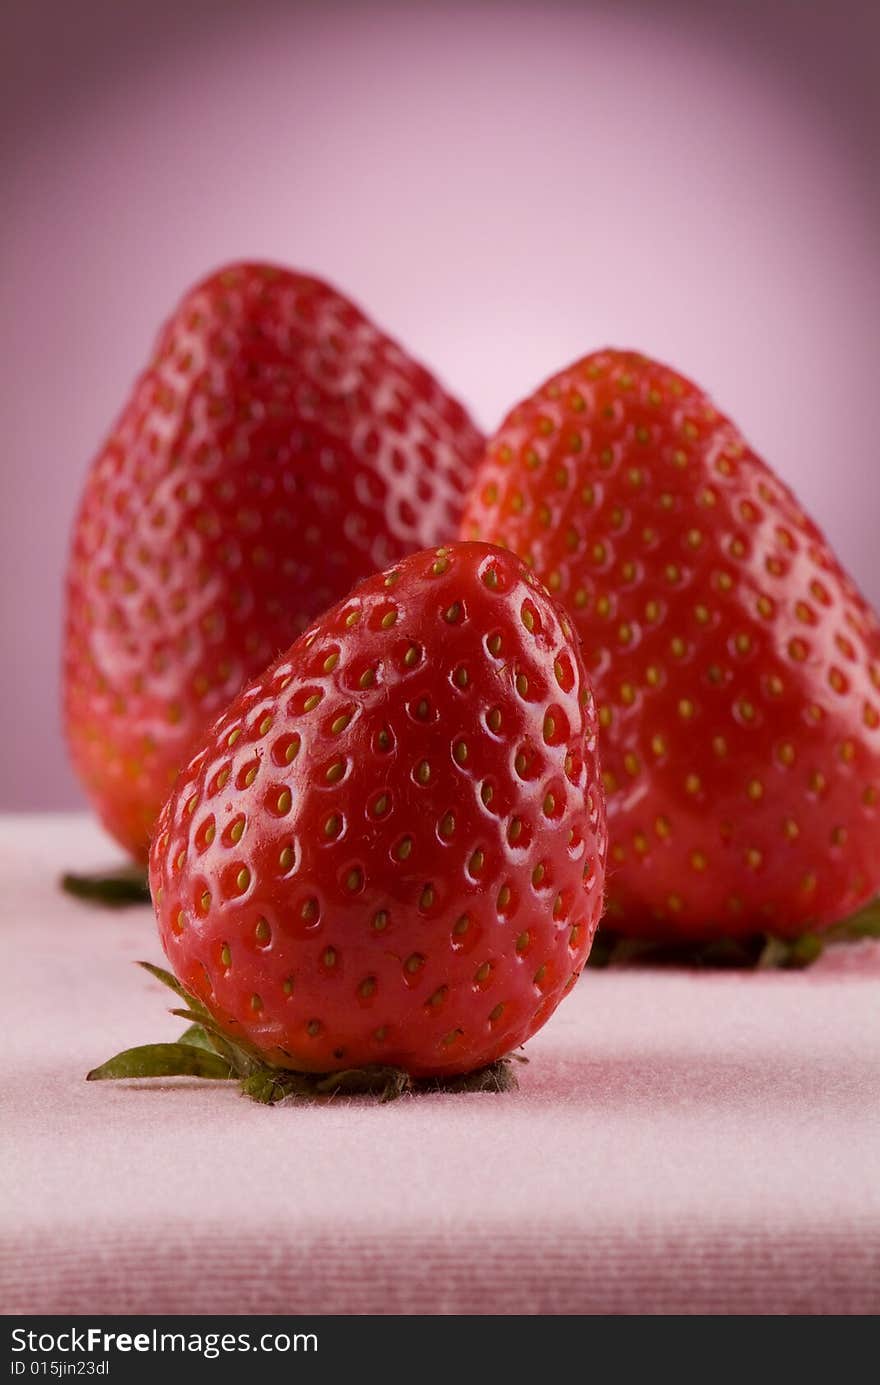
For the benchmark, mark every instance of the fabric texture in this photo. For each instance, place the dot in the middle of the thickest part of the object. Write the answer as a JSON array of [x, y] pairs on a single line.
[[680, 1143]]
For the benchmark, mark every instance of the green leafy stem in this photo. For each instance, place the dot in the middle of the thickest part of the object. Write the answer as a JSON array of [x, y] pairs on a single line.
[[762, 951], [115, 889], [205, 1051]]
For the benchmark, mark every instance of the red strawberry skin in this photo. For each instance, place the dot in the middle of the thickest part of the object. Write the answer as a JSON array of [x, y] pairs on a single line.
[[277, 449], [734, 662], [391, 847]]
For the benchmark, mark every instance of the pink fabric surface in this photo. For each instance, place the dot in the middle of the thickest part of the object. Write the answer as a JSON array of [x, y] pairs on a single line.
[[680, 1143]]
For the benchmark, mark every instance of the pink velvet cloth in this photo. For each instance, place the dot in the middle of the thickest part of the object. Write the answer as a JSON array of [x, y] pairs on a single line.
[[680, 1143]]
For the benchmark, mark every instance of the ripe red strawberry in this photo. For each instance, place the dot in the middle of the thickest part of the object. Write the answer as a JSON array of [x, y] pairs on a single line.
[[390, 848], [734, 663], [277, 449]]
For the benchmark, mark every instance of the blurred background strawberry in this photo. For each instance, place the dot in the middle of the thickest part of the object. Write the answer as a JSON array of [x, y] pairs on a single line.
[[278, 449], [502, 186]]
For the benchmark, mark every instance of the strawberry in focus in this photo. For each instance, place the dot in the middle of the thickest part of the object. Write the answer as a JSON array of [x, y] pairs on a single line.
[[390, 848], [278, 449], [736, 666]]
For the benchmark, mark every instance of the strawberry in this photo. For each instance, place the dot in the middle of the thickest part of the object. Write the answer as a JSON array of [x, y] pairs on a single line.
[[277, 449], [734, 662], [390, 848]]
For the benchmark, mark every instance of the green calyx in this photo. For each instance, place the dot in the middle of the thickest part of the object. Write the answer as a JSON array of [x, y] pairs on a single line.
[[761, 952], [116, 889], [204, 1051]]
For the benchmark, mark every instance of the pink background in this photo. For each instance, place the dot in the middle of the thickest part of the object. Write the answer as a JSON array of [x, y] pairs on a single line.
[[503, 186]]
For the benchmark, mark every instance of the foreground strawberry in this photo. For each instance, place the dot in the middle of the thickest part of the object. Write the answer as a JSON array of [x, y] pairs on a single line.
[[735, 664], [278, 449], [390, 850]]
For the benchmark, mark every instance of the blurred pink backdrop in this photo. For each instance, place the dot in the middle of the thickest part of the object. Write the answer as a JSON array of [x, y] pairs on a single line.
[[503, 186]]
